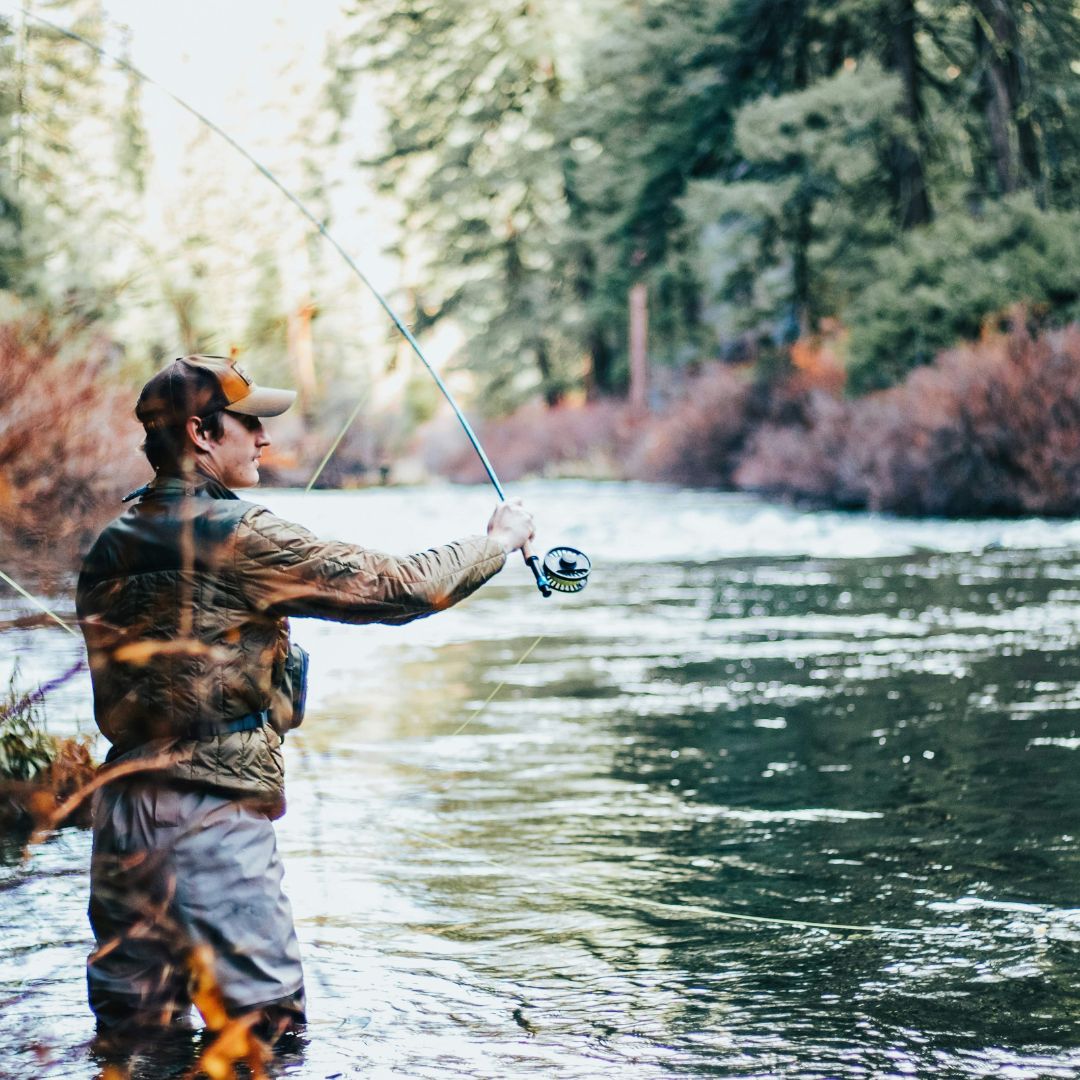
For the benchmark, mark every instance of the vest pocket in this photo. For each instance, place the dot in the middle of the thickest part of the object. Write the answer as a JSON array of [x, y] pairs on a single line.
[[289, 696]]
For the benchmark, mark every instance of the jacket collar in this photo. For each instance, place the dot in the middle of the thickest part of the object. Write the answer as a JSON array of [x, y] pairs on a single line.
[[164, 485]]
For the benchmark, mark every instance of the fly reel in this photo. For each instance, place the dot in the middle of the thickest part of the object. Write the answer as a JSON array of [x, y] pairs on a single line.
[[567, 569]]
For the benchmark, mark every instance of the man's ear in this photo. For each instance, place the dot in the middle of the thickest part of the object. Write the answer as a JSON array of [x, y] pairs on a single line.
[[196, 435]]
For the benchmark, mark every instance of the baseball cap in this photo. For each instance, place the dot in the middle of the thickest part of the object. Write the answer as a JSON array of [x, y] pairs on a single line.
[[199, 385]]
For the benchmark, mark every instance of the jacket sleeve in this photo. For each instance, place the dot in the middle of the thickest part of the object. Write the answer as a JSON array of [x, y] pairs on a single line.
[[283, 569]]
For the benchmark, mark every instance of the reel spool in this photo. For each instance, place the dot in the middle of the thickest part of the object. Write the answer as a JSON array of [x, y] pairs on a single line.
[[567, 569]]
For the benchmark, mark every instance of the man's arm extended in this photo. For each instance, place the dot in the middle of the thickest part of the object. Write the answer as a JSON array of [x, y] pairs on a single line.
[[284, 569]]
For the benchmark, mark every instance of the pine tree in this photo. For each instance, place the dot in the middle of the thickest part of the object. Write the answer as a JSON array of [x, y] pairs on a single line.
[[12, 251], [473, 92], [810, 195], [70, 169]]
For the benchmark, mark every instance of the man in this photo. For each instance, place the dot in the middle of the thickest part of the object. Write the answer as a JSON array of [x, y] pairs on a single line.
[[184, 601]]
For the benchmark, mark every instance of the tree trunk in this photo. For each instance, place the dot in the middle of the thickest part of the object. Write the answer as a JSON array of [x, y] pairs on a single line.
[[996, 103], [600, 376], [802, 226], [552, 393], [911, 198], [801, 273], [639, 347], [301, 351], [1013, 139]]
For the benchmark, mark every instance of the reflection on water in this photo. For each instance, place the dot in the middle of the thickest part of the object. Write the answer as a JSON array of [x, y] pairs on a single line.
[[750, 710]]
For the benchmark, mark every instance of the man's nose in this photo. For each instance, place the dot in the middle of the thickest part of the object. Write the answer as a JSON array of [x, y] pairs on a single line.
[[262, 438]]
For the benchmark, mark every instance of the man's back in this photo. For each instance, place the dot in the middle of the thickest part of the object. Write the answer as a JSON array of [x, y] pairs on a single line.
[[183, 601], [167, 631]]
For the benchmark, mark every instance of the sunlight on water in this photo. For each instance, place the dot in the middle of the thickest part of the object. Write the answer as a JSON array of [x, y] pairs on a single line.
[[750, 710]]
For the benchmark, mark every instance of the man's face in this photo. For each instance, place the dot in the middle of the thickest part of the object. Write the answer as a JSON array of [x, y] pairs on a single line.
[[234, 458]]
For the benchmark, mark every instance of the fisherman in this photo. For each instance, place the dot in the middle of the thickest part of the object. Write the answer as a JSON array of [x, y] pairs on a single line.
[[184, 602]]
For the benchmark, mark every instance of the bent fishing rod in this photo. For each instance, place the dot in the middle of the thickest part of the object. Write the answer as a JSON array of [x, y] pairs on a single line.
[[564, 569]]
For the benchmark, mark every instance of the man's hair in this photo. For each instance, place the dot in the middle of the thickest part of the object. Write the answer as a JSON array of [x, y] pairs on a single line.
[[167, 446]]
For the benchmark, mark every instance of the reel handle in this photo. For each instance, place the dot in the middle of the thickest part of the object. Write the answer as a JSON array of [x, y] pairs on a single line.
[[533, 563]]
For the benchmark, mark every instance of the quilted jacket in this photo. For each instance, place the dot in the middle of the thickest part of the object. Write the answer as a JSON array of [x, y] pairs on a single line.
[[184, 603]]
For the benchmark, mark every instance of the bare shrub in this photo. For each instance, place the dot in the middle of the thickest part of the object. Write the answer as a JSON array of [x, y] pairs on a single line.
[[992, 428], [698, 441], [731, 430], [567, 440], [804, 460], [68, 440], [989, 428]]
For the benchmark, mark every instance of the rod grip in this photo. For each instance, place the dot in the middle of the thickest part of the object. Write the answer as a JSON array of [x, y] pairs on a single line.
[[533, 563]]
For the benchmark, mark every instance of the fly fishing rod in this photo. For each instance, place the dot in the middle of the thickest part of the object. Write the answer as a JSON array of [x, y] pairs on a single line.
[[564, 569]]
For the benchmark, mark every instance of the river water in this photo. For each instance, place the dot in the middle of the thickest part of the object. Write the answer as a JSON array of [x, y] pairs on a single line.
[[750, 712]]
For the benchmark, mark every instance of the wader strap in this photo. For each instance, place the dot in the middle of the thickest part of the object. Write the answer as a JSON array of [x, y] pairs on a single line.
[[207, 729]]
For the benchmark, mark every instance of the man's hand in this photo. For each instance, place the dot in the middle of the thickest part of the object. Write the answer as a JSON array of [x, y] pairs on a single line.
[[511, 525]]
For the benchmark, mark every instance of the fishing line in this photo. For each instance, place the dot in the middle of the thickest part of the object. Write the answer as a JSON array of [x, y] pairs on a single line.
[[544, 583], [38, 604], [568, 568], [334, 445], [488, 699], [629, 902]]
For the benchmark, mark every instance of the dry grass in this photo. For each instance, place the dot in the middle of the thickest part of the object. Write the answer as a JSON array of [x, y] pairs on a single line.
[[38, 771]]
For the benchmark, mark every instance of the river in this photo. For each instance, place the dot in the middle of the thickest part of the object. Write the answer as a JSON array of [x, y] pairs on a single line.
[[751, 713]]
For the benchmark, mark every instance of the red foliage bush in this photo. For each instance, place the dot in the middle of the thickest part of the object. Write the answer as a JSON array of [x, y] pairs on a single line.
[[725, 416], [805, 459], [992, 428], [68, 441], [583, 440], [699, 439], [989, 429]]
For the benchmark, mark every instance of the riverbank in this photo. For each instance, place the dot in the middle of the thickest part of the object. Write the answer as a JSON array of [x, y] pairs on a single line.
[[68, 441], [987, 430]]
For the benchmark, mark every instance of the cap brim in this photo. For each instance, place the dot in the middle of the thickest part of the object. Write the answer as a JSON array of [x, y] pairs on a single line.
[[263, 401]]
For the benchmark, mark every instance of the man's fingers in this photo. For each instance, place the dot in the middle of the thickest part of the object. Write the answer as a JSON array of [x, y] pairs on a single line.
[[513, 523]]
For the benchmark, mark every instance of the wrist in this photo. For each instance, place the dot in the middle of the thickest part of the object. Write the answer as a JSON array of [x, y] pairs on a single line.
[[505, 541]]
